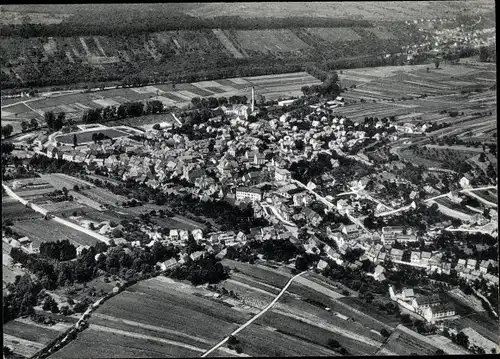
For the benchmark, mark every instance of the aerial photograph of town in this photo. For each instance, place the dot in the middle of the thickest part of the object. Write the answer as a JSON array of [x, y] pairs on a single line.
[[236, 179]]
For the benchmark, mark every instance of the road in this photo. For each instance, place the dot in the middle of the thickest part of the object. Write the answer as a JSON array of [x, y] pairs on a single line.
[[332, 206], [62, 221], [263, 311], [277, 214]]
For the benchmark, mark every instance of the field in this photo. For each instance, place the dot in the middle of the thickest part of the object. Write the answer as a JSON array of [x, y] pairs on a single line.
[[26, 338], [280, 41], [167, 319], [270, 86], [334, 35], [405, 342], [40, 230]]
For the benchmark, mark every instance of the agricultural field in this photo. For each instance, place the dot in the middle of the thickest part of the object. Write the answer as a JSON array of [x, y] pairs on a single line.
[[15, 211], [26, 338], [41, 230], [333, 35], [403, 341], [271, 87], [167, 319], [269, 41], [394, 10]]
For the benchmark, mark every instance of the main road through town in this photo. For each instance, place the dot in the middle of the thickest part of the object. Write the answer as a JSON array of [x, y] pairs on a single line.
[[254, 318]]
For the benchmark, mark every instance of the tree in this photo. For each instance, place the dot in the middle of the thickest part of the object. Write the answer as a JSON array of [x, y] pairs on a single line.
[[34, 124], [76, 188], [482, 157], [156, 126], [332, 343], [232, 340], [75, 140], [436, 64], [462, 340], [59, 121], [7, 130], [24, 126], [49, 119]]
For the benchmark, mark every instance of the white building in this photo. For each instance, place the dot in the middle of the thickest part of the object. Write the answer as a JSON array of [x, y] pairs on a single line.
[[253, 194]]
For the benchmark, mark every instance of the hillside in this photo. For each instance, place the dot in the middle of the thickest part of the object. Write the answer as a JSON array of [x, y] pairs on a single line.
[[81, 45]]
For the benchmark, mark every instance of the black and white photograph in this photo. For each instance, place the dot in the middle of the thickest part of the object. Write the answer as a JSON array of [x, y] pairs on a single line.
[[249, 179]]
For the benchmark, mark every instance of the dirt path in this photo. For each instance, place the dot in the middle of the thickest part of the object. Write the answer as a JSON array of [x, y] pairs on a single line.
[[143, 336], [150, 327]]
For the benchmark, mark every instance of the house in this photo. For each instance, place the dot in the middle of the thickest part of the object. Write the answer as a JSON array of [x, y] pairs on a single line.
[[34, 247], [322, 265], [24, 241], [461, 264], [282, 175], [52, 152], [484, 266], [174, 234], [197, 235], [378, 275], [312, 216], [425, 258], [407, 295], [351, 231], [415, 257], [434, 313], [396, 254], [183, 235], [195, 256], [381, 257], [421, 302], [471, 264], [254, 194], [168, 264]]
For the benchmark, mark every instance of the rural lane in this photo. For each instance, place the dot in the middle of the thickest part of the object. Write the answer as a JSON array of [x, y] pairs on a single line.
[[255, 317], [62, 221]]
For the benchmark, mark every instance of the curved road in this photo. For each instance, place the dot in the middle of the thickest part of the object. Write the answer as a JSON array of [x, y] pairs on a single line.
[[62, 221], [255, 317], [277, 214]]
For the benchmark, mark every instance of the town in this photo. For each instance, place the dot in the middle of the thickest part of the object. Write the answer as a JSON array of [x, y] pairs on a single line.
[[356, 215]]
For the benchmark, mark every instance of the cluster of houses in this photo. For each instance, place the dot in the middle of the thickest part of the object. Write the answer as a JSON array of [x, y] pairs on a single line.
[[432, 308]]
